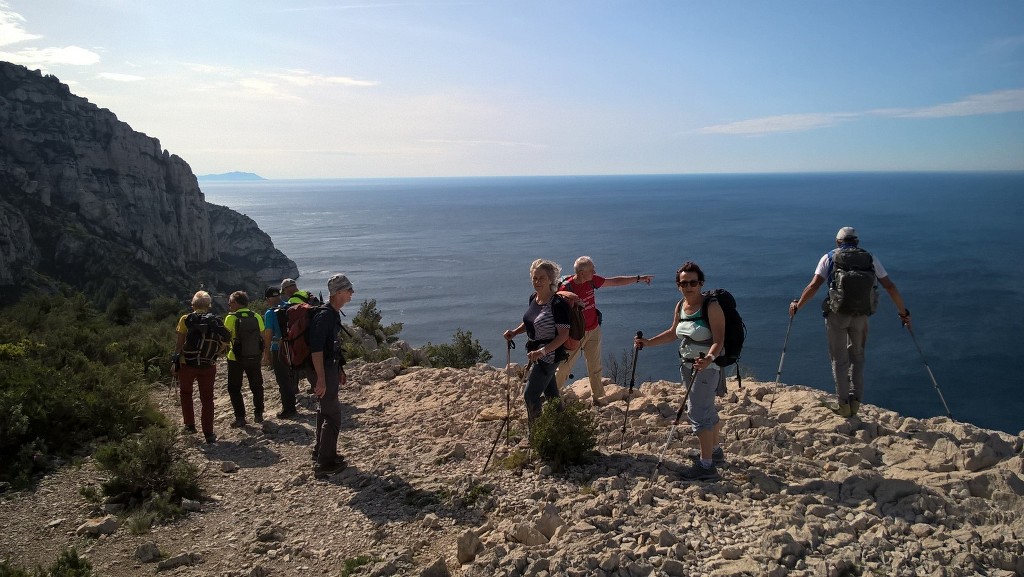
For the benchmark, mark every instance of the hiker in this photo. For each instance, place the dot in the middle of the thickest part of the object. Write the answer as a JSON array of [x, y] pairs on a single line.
[[699, 335], [546, 324], [287, 384], [291, 293], [584, 283], [246, 328], [847, 330], [328, 374], [199, 365]]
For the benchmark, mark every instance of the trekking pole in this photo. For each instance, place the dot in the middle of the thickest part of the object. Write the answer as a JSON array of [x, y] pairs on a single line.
[[679, 414], [508, 404], [778, 374], [929, 369], [629, 395]]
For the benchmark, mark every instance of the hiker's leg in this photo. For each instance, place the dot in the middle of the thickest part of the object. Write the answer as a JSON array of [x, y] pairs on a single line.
[[329, 419], [311, 375], [206, 376], [551, 390], [536, 383], [591, 346], [836, 328], [235, 389], [565, 367], [186, 375], [858, 338], [702, 412], [283, 376], [254, 374]]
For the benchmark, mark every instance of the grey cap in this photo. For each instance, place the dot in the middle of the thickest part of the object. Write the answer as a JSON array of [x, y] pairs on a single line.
[[846, 233], [287, 283], [338, 283]]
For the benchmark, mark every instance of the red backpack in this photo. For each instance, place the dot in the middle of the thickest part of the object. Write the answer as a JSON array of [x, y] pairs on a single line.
[[295, 333]]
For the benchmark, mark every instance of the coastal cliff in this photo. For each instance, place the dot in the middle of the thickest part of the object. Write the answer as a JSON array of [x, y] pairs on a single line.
[[87, 201]]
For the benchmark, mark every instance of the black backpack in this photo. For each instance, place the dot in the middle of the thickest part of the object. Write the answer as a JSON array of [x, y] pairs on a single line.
[[248, 343], [735, 330], [852, 290], [206, 338]]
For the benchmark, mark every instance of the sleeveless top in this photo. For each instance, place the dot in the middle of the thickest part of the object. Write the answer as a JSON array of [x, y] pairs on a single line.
[[695, 334]]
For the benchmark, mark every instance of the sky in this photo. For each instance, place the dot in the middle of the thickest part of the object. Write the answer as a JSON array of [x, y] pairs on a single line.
[[340, 89]]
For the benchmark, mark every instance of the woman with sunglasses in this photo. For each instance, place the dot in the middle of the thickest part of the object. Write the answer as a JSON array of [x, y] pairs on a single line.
[[702, 340]]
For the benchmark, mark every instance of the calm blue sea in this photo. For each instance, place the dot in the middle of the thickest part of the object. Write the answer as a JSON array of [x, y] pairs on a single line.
[[439, 254]]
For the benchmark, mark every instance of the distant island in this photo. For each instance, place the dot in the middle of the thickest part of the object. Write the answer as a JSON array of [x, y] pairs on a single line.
[[230, 176]]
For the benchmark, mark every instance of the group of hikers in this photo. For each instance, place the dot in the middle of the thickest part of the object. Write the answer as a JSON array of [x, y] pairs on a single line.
[[698, 321], [250, 341]]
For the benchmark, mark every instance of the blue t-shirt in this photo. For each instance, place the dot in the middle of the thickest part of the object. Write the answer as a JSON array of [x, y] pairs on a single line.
[[270, 322]]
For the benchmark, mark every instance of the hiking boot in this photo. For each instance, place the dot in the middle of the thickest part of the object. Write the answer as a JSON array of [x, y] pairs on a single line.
[[854, 406], [717, 456], [188, 429], [699, 472], [336, 466], [844, 410], [258, 417], [238, 423], [287, 414], [211, 438]]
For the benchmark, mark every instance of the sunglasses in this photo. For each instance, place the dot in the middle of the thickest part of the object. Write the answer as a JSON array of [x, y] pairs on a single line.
[[686, 283]]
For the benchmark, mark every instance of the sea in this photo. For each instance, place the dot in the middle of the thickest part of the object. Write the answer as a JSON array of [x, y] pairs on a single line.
[[446, 254]]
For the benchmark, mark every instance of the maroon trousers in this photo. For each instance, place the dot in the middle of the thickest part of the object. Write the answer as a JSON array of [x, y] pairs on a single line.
[[205, 376]]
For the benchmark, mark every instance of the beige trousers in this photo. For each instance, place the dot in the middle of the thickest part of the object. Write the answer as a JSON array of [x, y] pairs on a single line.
[[590, 346]]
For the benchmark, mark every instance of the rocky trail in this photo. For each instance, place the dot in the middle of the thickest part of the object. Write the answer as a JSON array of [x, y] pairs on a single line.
[[803, 492]]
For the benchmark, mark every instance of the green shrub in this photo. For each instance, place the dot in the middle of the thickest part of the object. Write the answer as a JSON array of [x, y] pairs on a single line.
[[369, 319], [353, 564], [149, 472], [67, 564], [463, 352], [564, 436], [69, 376], [119, 311]]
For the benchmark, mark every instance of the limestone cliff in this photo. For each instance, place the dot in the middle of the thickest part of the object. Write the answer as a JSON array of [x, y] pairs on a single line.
[[85, 200]]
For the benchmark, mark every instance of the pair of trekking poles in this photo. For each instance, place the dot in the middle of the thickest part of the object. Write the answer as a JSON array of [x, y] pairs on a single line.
[[508, 399], [935, 384]]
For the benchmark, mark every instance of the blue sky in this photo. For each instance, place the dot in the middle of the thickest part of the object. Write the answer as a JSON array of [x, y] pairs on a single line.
[[323, 88]]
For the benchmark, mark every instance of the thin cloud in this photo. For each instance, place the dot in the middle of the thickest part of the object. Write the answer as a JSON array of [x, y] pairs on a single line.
[[780, 123], [72, 55], [11, 31], [304, 78], [116, 77], [504, 143], [998, 102]]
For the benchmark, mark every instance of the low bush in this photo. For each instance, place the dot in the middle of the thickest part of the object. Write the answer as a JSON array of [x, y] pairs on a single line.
[[149, 472], [68, 376], [564, 435], [67, 564], [463, 352]]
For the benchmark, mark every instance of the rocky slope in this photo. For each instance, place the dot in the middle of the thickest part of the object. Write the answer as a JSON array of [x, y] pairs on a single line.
[[87, 201], [803, 493]]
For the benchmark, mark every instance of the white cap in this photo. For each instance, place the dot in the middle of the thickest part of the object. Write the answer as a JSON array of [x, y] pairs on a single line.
[[846, 233]]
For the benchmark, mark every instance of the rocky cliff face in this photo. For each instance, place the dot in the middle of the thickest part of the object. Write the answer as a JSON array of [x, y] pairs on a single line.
[[87, 201]]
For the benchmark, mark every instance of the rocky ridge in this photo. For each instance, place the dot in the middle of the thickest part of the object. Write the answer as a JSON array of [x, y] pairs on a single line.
[[88, 201], [804, 492]]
